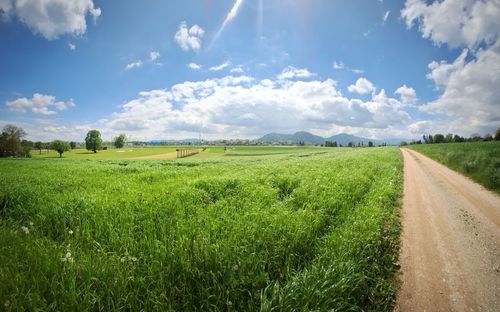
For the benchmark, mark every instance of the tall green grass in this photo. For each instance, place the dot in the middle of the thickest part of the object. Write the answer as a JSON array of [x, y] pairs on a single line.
[[477, 160], [303, 231]]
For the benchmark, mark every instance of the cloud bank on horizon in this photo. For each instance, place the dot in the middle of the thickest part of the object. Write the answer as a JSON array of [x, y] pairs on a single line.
[[231, 80]]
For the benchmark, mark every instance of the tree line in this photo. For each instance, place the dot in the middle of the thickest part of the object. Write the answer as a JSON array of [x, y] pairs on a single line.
[[14, 144], [453, 138]]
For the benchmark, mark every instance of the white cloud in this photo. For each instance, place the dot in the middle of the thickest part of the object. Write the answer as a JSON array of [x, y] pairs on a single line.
[[408, 95], [470, 90], [362, 86], [189, 38], [291, 72], [237, 69], [455, 22], [341, 65], [245, 107], [71, 46], [50, 18], [194, 66], [230, 16], [385, 17], [338, 65], [220, 66], [39, 104], [470, 93], [154, 55], [136, 64]]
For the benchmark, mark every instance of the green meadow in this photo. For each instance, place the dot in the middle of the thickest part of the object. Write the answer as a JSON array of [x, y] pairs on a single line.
[[284, 229], [477, 160]]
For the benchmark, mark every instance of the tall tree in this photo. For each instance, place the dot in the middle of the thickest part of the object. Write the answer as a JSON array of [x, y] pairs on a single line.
[[10, 141], [60, 146], [497, 135], [120, 140], [93, 141], [38, 145]]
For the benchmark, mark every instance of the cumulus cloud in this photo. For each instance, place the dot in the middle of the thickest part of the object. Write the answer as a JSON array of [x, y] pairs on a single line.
[[136, 64], [469, 84], [220, 66], [39, 104], [189, 38], [408, 95], [154, 55], [194, 66], [50, 18], [362, 86], [291, 72], [71, 46], [246, 107], [470, 90], [455, 22]]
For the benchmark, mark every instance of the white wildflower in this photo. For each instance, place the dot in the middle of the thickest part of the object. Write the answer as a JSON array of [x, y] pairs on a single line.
[[68, 258], [70, 232], [31, 223], [25, 230]]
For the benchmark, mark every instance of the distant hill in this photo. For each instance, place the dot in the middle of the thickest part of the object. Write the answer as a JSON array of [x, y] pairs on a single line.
[[309, 138]]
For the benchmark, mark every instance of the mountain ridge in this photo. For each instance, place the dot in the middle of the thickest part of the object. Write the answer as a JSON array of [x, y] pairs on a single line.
[[309, 138]]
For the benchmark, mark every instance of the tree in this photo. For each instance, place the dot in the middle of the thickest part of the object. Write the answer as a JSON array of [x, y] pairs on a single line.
[[10, 142], [72, 145], [457, 138], [120, 140], [93, 141], [438, 138], [487, 137], [497, 135], [38, 145], [60, 146], [449, 138], [370, 144]]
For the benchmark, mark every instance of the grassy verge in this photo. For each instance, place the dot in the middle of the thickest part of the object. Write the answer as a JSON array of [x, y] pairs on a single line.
[[303, 231], [477, 160]]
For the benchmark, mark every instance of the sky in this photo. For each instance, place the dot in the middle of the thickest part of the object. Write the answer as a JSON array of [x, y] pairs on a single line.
[[224, 69]]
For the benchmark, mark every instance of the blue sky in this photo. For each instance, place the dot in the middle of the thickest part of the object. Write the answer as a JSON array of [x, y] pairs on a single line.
[[243, 68]]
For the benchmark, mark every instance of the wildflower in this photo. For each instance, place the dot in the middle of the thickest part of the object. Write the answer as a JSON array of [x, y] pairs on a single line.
[[70, 232], [68, 258], [31, 223], [133, 259], [25, 230], [123, 259]]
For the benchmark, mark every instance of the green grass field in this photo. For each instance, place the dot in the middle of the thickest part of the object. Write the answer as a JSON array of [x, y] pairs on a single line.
[[477, 160], [138, 152], [304, 229], [124, 153]]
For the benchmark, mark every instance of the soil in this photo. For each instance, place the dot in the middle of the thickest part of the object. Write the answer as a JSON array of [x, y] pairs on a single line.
[[450, 245]]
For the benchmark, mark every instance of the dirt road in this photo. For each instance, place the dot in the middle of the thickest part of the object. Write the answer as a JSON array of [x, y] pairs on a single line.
[[450, 253]]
